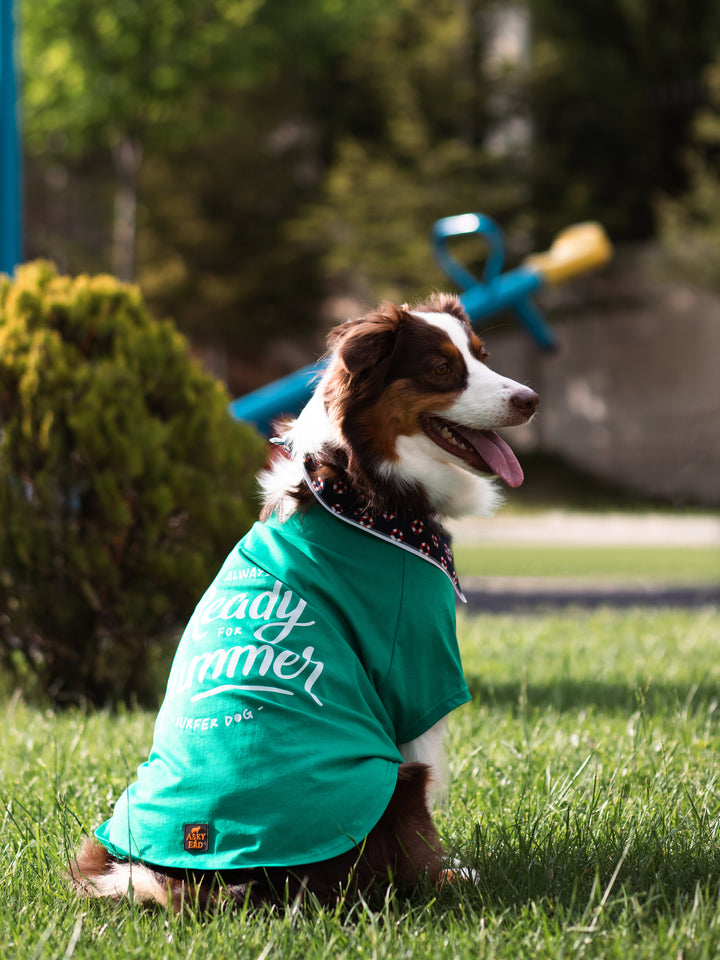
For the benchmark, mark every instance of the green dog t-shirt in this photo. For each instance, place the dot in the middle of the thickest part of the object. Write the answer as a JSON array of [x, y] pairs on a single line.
[[315, 652]]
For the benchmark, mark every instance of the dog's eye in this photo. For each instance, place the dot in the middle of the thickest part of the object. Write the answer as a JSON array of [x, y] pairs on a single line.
[[442, 370]]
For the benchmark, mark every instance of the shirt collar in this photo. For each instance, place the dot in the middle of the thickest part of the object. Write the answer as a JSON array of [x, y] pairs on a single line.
[[404, 529]]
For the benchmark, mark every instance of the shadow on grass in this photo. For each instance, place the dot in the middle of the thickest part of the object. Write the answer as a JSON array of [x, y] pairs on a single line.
[[579, 877], [563, 695]]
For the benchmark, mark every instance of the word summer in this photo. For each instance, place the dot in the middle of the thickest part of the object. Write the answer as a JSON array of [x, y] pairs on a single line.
[[268, 666], [203, 671]]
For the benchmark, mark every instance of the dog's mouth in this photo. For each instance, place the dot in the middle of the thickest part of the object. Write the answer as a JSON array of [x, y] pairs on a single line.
[[481, 450]]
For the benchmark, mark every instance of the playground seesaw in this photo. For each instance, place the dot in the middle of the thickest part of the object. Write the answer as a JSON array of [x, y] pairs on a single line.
[[577, 249]]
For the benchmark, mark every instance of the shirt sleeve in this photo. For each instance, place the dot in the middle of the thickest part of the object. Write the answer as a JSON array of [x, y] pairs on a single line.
[[425, 680]]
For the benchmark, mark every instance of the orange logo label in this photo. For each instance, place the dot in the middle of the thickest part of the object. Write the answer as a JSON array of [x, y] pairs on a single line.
[[196, 837]]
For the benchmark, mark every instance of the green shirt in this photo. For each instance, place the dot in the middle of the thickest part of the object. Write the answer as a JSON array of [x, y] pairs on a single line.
[[315, 652]]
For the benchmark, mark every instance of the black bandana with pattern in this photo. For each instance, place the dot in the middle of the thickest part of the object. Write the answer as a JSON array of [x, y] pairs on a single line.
[[406, 530]]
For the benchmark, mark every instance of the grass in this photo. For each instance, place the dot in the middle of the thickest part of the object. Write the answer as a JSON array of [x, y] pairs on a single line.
[[667, 564], [585, 794]]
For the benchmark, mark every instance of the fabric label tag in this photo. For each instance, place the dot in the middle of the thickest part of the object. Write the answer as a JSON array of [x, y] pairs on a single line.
[[196, 837]]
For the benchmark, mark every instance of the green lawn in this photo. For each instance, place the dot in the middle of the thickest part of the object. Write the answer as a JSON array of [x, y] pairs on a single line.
[[667, 564], [585, 793]]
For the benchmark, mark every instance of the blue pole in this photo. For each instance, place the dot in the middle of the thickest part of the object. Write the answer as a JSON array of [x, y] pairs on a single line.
[[10, 166]]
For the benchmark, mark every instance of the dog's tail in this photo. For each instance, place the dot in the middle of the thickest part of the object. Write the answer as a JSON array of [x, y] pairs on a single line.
[[95, 873]]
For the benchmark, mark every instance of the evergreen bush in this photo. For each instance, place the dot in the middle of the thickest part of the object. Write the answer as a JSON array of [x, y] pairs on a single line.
[[123, 482]]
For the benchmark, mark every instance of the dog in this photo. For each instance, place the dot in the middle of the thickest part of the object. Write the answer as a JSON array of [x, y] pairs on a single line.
[[299, 745]]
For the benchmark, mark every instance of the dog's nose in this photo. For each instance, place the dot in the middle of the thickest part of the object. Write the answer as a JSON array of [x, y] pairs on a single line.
[[526, 401]]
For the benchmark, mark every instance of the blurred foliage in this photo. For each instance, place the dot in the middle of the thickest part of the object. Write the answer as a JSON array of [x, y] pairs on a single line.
[[417, 84], [123, 483], [132, 77], [614, 87], [98, 73], [690, 223], [376, 209], [296, 152], [259, 187]]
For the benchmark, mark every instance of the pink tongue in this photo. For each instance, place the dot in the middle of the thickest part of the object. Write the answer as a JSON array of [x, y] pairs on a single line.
[[496, 454]]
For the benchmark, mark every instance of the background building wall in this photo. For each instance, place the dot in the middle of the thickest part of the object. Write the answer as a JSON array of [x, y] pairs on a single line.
[[633, 394]]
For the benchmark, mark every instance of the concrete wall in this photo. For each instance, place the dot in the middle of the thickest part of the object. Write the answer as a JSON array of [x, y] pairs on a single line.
[[633, 395]]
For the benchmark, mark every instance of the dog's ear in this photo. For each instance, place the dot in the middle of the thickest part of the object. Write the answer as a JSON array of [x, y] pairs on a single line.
[[367, 343]]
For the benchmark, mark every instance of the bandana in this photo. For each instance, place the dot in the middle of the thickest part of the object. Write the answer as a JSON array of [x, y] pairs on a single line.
[[404, 529]]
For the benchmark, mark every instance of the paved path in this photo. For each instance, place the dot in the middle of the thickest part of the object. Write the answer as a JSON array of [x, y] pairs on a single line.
[[507, 594], [517, 594], [566, 527]]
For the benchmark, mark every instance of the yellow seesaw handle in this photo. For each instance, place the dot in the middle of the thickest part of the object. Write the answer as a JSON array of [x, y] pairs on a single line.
[[574, 250]]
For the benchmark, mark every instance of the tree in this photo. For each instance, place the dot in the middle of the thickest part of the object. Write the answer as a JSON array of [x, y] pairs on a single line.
[[690, 223], [415, 98], [235, 123], [128, 76], [614, 88]]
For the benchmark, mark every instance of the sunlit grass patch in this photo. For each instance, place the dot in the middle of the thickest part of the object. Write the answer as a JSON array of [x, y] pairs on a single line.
[[619, 563], [585, 796]]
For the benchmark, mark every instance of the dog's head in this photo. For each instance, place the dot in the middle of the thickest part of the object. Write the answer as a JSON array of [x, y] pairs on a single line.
[[409, 404]]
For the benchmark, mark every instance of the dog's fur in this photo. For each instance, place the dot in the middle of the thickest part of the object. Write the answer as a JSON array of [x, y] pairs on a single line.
[[394, 416]]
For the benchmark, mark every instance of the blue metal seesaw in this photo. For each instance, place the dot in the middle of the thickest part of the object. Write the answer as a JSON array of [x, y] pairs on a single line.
[[575, 250]]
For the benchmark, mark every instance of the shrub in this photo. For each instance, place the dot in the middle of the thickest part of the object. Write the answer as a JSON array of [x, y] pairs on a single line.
[[123, 482]]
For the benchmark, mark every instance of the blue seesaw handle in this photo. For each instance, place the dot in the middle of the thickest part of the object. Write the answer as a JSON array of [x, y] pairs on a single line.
[[493, 291], [467, 223]]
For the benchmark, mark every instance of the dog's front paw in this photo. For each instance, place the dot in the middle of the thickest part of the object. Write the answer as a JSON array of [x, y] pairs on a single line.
[[456, 872]]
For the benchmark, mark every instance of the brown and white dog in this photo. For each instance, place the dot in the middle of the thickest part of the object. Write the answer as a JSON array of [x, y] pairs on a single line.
[[406, 414]]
